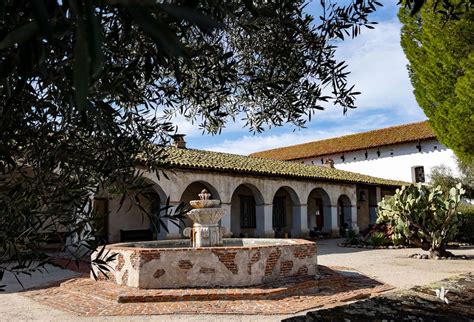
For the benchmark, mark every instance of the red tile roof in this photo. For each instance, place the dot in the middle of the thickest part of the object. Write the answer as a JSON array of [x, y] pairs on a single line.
[[388, 136], [232, 163]]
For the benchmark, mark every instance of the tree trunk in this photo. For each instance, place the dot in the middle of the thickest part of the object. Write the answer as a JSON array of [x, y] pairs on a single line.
[[425, 245], [440, 251]]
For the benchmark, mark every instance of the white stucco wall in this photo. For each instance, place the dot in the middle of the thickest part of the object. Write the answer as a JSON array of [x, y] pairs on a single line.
[[395, 162]]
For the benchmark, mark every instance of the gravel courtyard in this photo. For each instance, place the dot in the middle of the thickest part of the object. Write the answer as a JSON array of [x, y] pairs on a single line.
[[391, 266]]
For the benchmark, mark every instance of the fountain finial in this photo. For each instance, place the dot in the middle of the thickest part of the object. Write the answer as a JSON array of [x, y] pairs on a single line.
[[204, 195]]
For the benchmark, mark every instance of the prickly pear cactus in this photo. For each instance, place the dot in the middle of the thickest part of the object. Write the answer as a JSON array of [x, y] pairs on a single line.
[[424, 215]]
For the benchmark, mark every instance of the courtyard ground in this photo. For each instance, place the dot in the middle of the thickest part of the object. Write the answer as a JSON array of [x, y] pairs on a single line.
[[391, 266]]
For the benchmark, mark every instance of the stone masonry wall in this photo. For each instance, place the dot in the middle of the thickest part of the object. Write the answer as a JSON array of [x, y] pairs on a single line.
[[213, 266]]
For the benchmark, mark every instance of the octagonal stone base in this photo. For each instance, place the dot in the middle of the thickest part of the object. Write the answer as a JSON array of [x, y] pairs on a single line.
[[240, 262]]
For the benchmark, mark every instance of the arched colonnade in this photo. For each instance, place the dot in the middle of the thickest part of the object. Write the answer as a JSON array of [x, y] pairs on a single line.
[[260, 207]]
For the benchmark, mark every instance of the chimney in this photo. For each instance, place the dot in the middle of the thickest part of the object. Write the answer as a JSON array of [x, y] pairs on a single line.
[[329, 163], [178, 141]]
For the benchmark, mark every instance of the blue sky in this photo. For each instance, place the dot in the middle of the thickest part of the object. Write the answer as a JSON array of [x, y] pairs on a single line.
[[378, 69]]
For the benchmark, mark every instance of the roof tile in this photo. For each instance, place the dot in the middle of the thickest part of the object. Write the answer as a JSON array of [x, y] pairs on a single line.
[[216, 161], [360, 141]]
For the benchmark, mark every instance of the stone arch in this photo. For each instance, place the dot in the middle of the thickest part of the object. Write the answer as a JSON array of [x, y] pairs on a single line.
[[155, 199], [130, 219], [194, 188], [319, 210], [291, 193], [155, 188], [246, 206], [192, 191], [344, 210], [286, 211]]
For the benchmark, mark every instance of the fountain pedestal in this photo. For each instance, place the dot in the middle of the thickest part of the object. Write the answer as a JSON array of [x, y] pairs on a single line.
[[206, 231]]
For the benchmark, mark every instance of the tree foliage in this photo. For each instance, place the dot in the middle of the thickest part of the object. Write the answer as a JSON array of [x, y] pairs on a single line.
[[83, 84], [428, 216], [441, 69], [444, 177], [447, 9]]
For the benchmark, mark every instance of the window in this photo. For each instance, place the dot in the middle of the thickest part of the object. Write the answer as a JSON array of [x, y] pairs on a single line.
[[418, 174], [279, 212], [418, 146], [247, 212]]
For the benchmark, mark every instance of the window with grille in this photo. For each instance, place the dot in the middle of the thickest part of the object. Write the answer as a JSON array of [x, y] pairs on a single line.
[[247, 212], [418, 174], [279, 212]]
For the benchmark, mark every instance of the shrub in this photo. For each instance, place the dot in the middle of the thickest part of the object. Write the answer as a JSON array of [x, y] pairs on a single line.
[[384, 228], [379, 239], [466, 224], [352, 238]]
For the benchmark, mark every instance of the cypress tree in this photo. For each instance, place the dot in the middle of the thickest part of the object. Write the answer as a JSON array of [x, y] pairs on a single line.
[[441, 60]]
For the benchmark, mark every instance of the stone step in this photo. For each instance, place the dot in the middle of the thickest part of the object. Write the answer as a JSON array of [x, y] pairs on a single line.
[[110, 291]]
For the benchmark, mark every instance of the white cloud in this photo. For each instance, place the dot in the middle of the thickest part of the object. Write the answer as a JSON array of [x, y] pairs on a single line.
[[378, 69], [251, 143], [193, 130], [247, 144]]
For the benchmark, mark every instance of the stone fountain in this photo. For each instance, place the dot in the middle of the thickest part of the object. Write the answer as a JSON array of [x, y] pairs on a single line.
[[205, 215], [207, 260]]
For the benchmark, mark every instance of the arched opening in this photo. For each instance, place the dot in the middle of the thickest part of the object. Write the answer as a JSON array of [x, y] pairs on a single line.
[[319, 211], [246, 206], [344, 209], [191, 193], [285, 209], [194, 189], [135, 217]]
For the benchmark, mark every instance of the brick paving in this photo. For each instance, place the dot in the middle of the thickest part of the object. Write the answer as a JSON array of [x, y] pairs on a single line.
[[85, 297]]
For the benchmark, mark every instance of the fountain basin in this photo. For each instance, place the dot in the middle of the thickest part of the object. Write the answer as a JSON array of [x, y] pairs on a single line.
[[205, 203], [238, 263], [206, 216]]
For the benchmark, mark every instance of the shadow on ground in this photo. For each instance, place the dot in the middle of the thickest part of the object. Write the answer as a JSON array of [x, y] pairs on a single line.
[[415, 304], [38, 279]]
